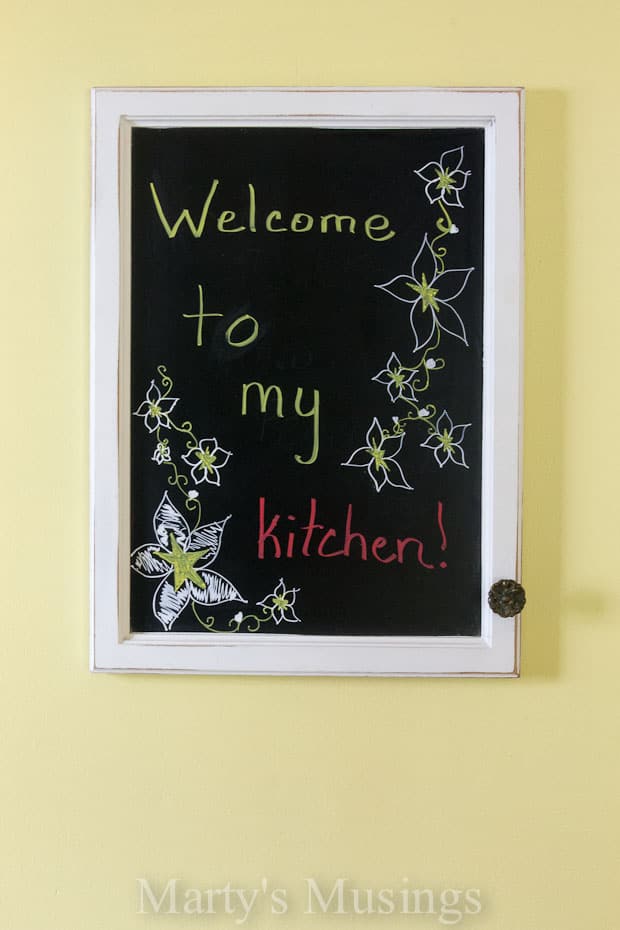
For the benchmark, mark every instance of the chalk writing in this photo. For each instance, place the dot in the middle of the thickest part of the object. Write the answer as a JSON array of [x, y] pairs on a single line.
[[376, 226], [263, 394]]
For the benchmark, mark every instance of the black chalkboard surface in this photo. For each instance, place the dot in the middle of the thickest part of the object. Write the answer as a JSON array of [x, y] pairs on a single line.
[[306, 380]]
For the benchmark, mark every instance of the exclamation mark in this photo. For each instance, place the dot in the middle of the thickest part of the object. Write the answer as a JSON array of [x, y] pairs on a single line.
[[444, 538]]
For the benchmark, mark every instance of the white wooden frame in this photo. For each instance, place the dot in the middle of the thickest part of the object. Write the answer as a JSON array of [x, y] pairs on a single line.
[[113, 648]]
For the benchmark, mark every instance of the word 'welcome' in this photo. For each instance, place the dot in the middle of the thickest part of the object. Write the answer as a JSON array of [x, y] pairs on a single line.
[[376, 226]]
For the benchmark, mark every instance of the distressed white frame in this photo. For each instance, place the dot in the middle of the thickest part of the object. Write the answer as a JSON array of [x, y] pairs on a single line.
[[113, 647]]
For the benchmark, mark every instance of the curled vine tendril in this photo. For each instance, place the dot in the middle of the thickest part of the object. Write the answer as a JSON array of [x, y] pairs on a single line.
[[255, 627], [166, 380], [422, 385], [444, 225], [439, 253], [413, 416], [233, 624], [177, 480], [186, 427], [193, 504]]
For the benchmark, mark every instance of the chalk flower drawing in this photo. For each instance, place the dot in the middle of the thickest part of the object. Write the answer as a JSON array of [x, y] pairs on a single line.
[[446, 440], [429, 292], [280, 605], [444, 179], [155, 409], [180, 557], [206, 459], [162, 452], [378, 457], [397, 378]]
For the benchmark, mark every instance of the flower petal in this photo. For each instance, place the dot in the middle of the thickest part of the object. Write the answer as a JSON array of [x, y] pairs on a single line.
[[383, 377], [451, 160], [407, 392], [433, 442], [211, 477], [152, 422], [425, 264], [442, 455], [423, 326], [190, 457], [168, 520], [153, 395], [445, 423], [222, 457], [378, 476], [146, 563], [395, 476], [400, 287], [268, 607], [458, 432], [429, 171], [168, 603], [359, 458], [166, 404], [199, 473], [161, 420], [374, 436], [457, 183], [208, 536], [392, 445], [451, 283], [291, 594], [451, 198], [217, 590], [433, 191], [143, 410], [457, 455], [449, 320], [288, 614], [394, 390]]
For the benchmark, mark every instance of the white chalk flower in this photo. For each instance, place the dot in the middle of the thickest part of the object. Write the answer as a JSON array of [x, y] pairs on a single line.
[[280, 605], [155, 409], [378, 457], [446, 441], [445, 179], [206, 459], [180, 557], [429, 292], [397, 379]]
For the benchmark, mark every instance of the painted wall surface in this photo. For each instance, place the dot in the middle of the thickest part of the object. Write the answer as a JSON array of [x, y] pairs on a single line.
[[509, 787]]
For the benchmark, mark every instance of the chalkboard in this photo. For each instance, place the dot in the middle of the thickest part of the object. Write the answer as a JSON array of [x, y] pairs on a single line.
[[306, 380], [306, 318]]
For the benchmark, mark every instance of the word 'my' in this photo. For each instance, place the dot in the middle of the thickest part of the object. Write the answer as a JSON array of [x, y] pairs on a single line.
[[263, 398], [376, 226]]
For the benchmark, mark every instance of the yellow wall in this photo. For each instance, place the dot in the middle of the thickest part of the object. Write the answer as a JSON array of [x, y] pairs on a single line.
[[506, 786]]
